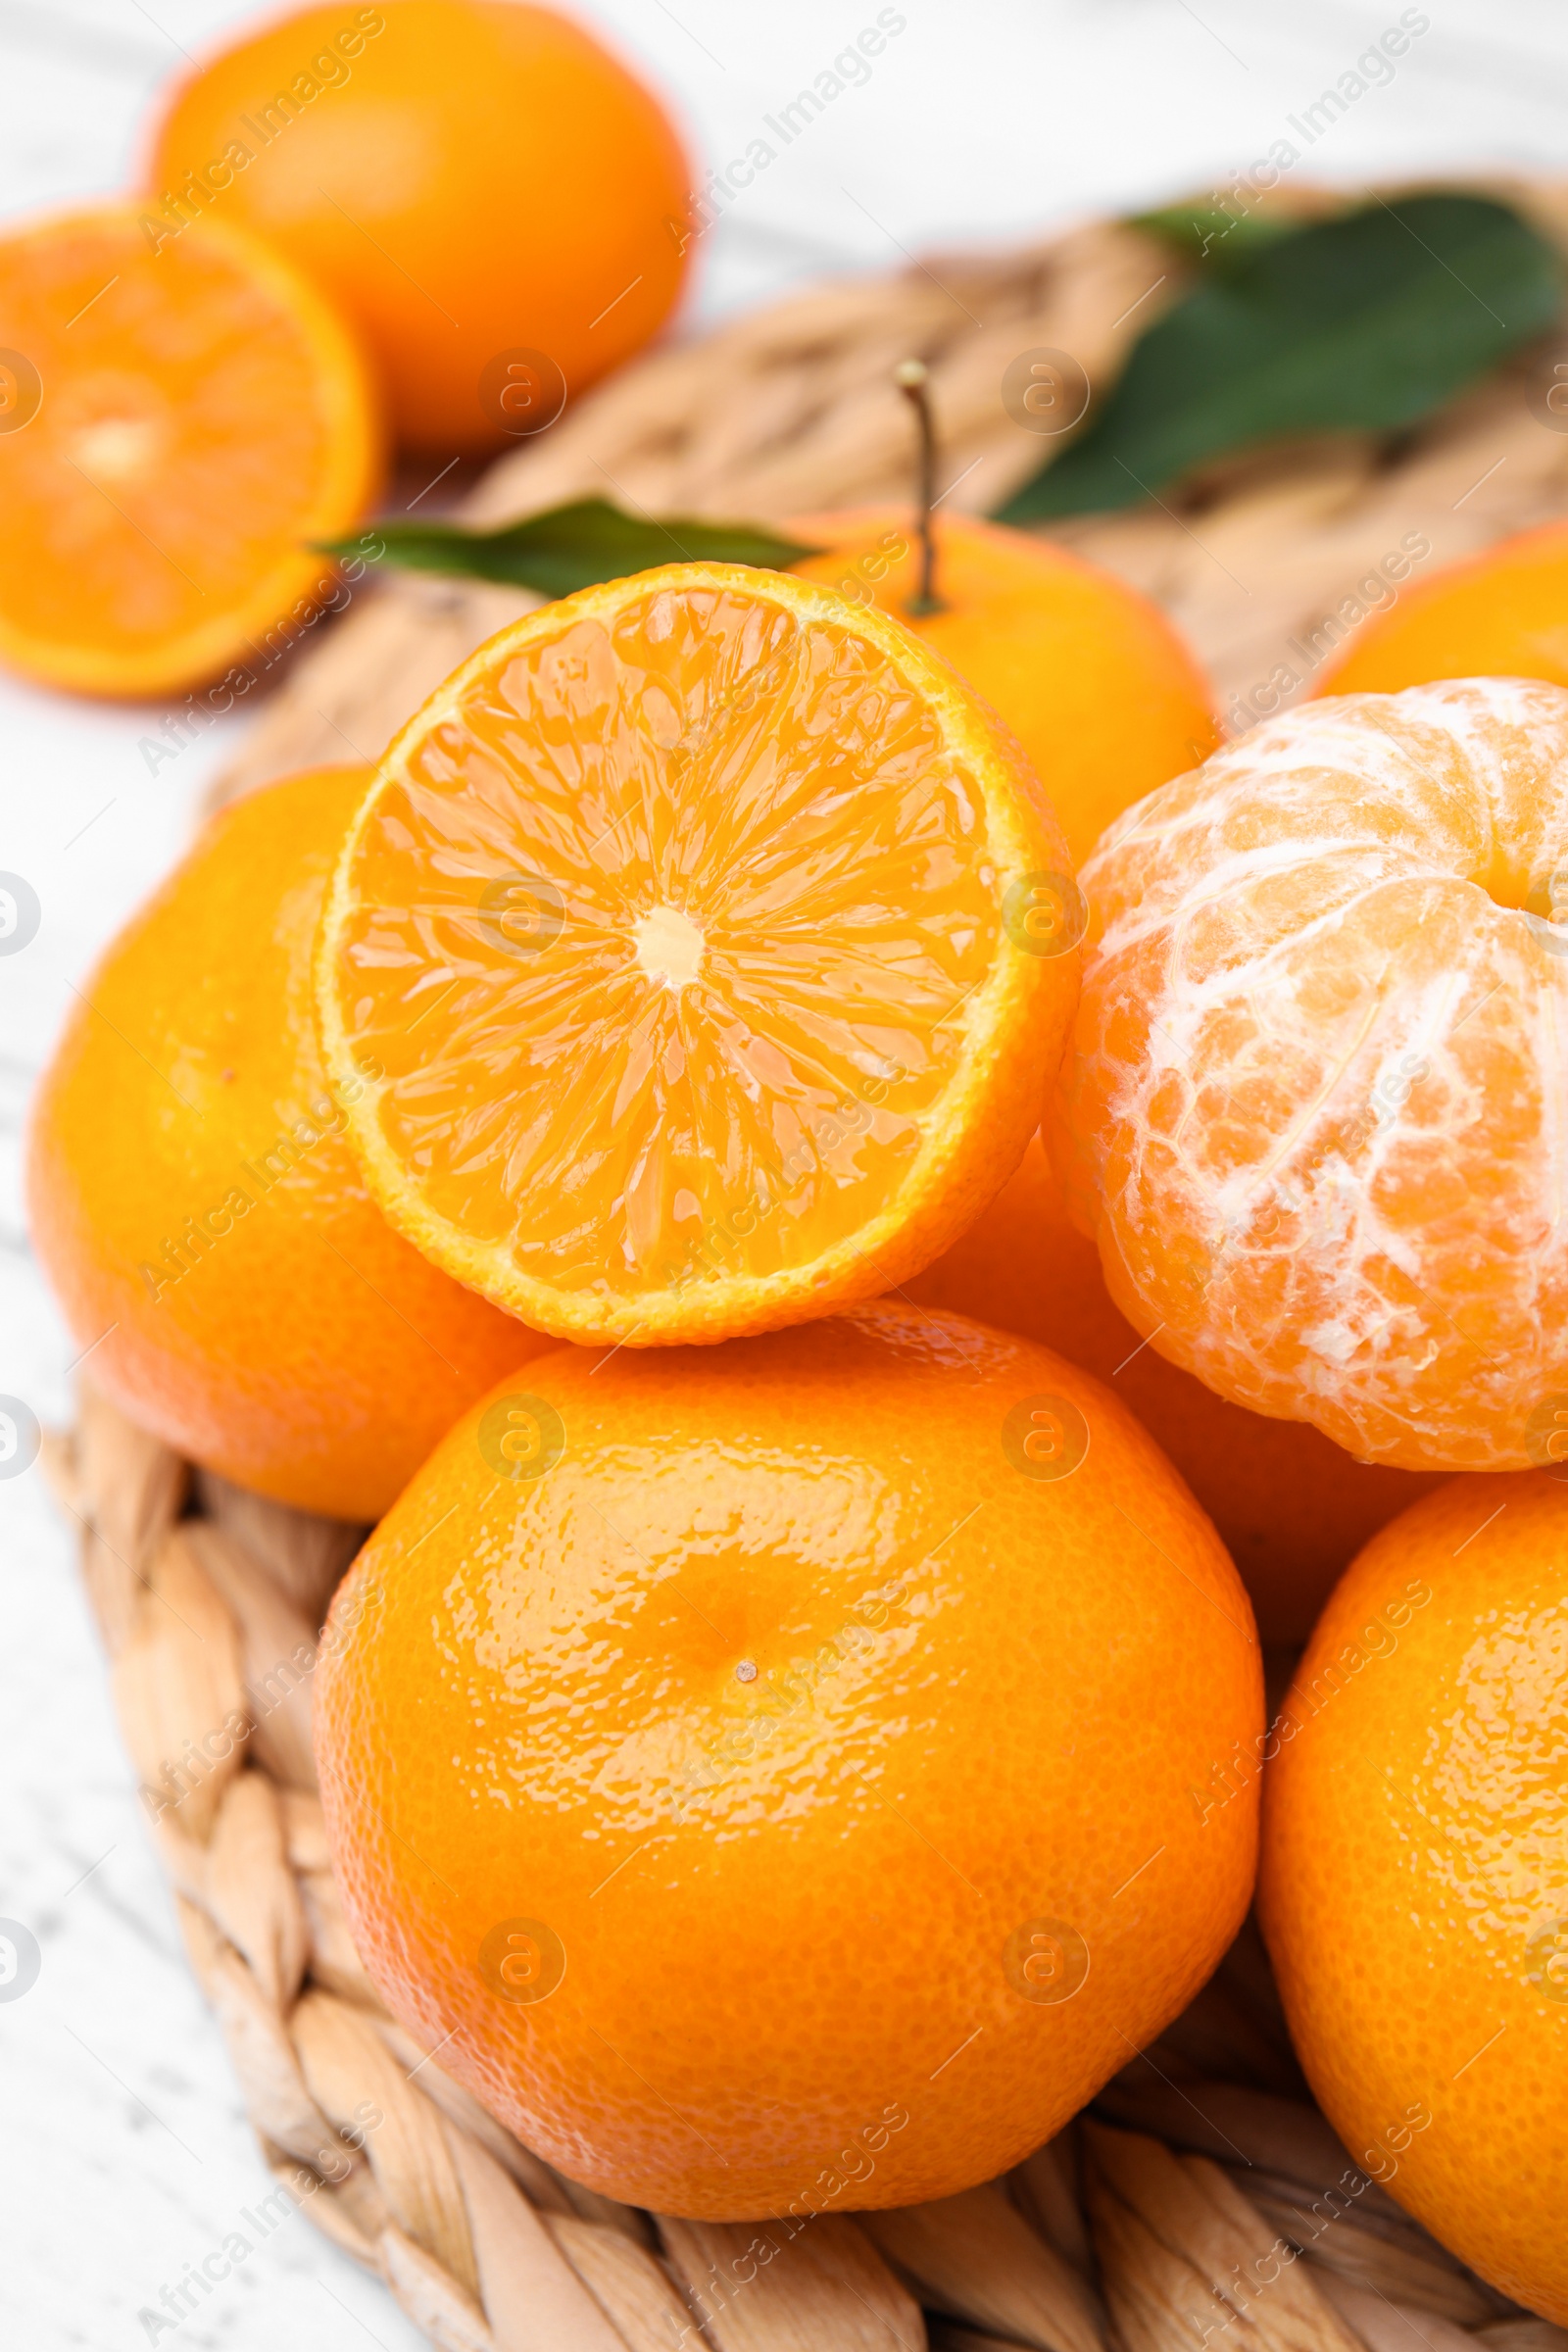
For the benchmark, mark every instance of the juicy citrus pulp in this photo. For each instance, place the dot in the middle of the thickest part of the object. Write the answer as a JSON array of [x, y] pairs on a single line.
[[198, 417], [700, 925]]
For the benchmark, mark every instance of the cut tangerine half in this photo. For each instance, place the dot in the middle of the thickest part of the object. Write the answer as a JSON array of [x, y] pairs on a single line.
[[176, 426], [715, 943]]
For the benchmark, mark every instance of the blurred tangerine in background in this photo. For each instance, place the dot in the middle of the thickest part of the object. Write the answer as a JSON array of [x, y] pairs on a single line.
[[1502, 613], [489, 194]]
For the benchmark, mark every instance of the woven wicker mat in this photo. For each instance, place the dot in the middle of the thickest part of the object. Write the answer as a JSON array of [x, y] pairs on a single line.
[[791, 409], [1203, 2196]]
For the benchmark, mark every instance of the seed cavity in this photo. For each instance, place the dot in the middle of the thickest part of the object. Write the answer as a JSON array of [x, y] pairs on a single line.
[[117, 449], [669, 945]]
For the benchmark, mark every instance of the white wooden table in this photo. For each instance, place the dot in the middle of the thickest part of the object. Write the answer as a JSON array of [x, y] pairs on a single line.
[[124, 2156]]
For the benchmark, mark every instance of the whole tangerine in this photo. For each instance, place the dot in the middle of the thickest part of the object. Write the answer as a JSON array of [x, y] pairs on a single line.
[[1315, 1104], [197, 1207], [767, 1770], [1415, 1887], [1292, 1507], [1499, 614], [495, 200], [1094, 682]]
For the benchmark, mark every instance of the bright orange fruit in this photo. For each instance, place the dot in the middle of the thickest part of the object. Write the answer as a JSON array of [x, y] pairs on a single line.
[[1100, 690], [1501, 614], [1415, 1887], [769, 1772], [496, 201], [1292, 1508], [692, 923], [179, 427], [197, 1207], [1317, 1097]]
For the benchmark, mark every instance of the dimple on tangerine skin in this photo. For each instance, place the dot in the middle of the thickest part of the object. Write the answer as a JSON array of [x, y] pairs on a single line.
[[1316, 1108], [1414, 1878], [809, 1743]]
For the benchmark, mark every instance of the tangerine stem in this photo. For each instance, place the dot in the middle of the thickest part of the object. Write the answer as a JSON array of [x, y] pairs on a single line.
[[913, 379]]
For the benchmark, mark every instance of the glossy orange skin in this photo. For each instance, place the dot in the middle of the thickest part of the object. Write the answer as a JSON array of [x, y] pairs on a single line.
[[782, 1899], [1414, 1887], [1102, 693], [1502, 613], [306, 1350], [476, 177], [1292, 1508]]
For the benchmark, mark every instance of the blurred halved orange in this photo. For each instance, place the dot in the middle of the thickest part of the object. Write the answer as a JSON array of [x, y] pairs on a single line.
[[176, 426]]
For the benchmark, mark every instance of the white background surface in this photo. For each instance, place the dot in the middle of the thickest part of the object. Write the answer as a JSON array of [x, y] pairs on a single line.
[[124, 2156]]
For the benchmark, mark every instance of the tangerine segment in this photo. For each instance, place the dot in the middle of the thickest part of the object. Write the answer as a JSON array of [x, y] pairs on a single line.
[[1318, 1105], [182, 425], [694, 925], [739, 1758]]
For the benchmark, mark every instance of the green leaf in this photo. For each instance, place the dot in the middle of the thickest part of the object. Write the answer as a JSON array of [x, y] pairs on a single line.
[[1203, 230], [1362, 324], [570, 547]]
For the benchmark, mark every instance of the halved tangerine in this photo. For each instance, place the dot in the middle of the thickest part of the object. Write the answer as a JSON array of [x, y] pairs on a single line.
[[715, 941], [176, 426]]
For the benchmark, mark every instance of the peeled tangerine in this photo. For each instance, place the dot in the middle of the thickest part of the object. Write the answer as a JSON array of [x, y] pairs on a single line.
[[775, 1777], [1317, 1102]]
